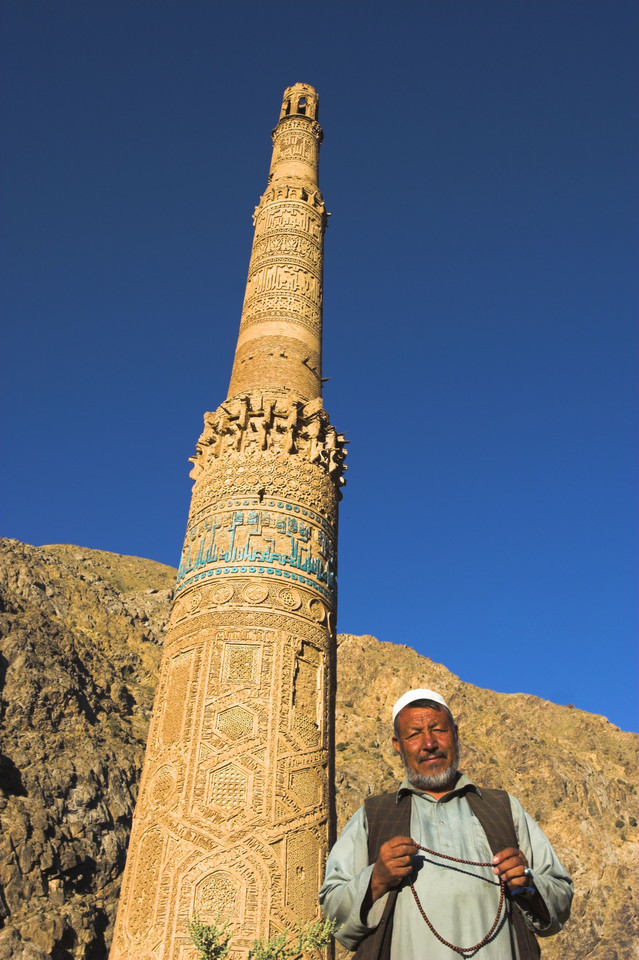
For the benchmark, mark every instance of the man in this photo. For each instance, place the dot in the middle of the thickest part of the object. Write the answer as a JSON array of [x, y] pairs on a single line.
[[434, 888]]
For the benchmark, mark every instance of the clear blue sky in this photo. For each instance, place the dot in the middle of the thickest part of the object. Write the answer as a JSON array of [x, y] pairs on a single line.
[[480, 160]]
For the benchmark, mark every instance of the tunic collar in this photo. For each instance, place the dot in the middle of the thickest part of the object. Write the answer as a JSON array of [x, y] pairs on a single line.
[[463, 786]]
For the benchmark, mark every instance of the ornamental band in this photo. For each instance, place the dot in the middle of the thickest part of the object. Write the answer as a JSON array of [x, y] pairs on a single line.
[[442, 868]]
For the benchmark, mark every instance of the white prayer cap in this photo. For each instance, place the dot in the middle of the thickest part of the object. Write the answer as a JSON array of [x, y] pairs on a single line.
[[411, 695]]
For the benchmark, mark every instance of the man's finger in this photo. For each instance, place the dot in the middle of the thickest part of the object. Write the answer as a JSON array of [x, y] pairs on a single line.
[[398, 847], [510, 853], [508, 859], [401, 842]]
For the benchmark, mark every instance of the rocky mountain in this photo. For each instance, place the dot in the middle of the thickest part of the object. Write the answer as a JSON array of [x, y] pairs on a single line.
[[80, 646]]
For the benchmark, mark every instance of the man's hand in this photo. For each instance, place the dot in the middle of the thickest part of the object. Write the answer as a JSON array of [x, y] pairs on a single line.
[[393, 864], [510, 864]]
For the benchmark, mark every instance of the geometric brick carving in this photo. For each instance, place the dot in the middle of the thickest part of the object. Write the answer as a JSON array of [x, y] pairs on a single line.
[[316, 610], [307, 730], [256, 592], [290, 598], [217, 895], [228, 787], [306, 683], [306, 786], [240, 663], [177, 686], [162, 785], [302, 873], [306, 689], [235, 723], [147, 871]]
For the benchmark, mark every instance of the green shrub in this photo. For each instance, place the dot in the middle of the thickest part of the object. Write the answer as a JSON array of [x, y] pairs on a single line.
[[211, 940], [273, 949], [311, 938]]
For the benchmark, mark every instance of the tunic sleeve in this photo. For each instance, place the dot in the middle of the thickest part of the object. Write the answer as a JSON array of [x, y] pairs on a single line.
[[347, 878], [549, 875]]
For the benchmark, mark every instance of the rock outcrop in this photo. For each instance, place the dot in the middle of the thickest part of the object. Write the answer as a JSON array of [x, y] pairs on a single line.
[[79, 654], [80, 645]]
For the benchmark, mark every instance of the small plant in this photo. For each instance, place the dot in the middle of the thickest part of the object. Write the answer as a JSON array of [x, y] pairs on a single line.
[[315, 936], [311, 938], [273, 949], [211, 940]]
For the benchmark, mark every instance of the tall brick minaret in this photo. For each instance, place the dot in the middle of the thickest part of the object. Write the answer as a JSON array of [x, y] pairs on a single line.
[[235, 798]]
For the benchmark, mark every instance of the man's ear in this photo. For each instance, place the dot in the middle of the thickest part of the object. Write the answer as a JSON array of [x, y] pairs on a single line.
[[396, 744]]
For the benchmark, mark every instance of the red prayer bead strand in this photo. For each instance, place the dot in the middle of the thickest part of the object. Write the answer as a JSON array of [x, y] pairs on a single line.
[[446, 856], [471, 863]]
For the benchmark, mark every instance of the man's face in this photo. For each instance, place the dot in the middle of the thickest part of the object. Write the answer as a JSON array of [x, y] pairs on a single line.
[[427, 744]]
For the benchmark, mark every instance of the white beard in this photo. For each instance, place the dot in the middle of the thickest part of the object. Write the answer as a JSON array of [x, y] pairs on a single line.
[[433, 781]]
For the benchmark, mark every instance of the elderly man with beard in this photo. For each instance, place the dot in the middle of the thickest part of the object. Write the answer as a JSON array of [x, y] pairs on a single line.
[[442, 868]]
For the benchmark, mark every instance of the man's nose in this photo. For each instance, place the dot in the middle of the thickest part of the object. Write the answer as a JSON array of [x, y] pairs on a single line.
[[429, 741]]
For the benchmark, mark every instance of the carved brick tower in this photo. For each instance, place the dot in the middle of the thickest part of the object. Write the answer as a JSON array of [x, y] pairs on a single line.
[[234, 809]]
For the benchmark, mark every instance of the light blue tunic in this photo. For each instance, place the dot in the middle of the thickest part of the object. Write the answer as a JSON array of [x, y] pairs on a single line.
[[460, 901]]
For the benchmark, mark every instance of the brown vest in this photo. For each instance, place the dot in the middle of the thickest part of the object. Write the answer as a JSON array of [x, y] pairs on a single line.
[[388, 818]]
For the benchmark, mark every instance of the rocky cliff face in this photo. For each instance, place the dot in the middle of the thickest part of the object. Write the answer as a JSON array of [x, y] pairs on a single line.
[[80, 645], [79, 655]]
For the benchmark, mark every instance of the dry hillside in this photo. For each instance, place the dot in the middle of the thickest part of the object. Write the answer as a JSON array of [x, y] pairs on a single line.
[[80, 645]]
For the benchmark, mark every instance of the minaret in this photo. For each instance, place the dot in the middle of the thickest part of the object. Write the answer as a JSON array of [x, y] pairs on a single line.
[[234, 809]]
